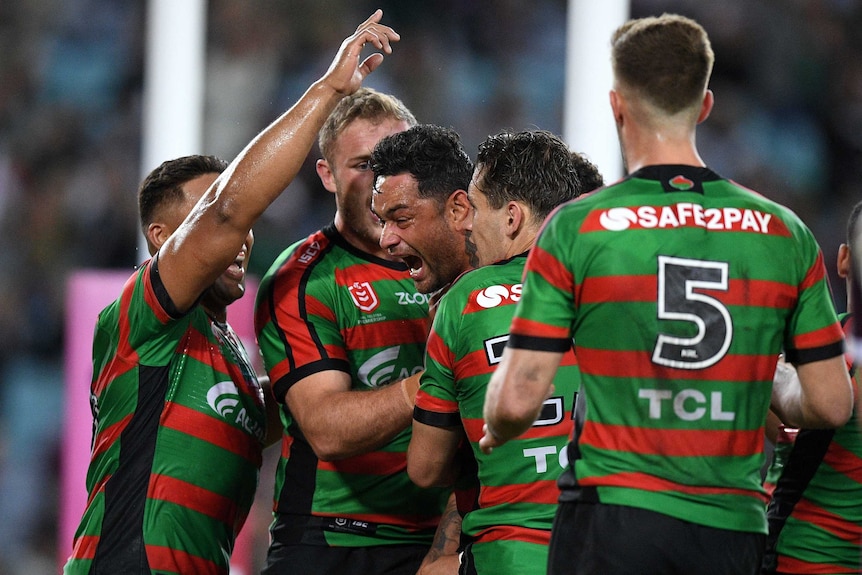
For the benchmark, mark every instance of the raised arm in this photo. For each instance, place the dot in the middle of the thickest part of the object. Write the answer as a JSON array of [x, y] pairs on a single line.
[[211, 236]]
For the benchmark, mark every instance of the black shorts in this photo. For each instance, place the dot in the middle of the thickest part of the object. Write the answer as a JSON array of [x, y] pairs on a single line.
[[298, 559], [590, 538]]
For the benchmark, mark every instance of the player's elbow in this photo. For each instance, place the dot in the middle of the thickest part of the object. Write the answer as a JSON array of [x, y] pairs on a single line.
[[836, 413], [425, 474], [425, 477], [827, 394], [327, 448]]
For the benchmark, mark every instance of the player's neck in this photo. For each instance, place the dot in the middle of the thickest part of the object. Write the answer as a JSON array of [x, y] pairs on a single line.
[[652, 147]]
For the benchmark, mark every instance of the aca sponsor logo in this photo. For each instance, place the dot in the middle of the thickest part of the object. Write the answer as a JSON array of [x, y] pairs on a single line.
[[224, 399], [685, 214], [380, 368], [364, 296], [497, 295]]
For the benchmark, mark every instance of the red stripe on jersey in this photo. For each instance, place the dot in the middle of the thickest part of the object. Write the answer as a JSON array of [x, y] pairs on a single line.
[[550, 268], [540, 491], [151, 299], [816, 273], [383, 333], [314, 306], [347, 276], [643, 288], [792, 565], [213, 430], [184, 494], [839, 526], [176, 561], [638, 364], [648, 482], [195, 345], [109, 435], [473, 364], [526, 327], [844, 461], [437, 350], [99, 487], [673, 442], [514, 533], [819, 338], [410, 522], [126, 357], [473, 428], [435, 404], [376, 463], [85, 547]]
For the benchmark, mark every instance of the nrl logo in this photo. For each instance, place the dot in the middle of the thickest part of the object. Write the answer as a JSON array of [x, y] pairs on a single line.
[[363, 296]]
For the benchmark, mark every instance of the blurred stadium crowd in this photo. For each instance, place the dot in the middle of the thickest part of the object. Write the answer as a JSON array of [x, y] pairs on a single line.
[[787, 122]]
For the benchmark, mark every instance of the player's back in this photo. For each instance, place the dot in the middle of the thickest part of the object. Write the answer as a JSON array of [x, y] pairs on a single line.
[[684, 287]]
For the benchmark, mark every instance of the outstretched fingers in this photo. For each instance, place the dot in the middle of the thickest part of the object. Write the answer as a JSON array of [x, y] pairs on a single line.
[[380, 35], [346, 73]]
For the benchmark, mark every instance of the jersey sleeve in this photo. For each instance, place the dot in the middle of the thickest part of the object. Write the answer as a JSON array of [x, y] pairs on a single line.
[[546, 311], [814, 332], [296, 324], [437, 402]]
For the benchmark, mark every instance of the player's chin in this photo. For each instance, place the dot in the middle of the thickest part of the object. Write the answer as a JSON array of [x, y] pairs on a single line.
[[229, 289]]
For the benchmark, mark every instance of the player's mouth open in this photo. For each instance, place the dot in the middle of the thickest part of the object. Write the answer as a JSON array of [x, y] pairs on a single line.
[[235, 269], [414, 263]]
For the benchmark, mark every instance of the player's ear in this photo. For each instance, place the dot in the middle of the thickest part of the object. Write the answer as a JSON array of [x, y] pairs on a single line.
[[459, 209], [157, 234], [516, 217], [843, 262], [324, 172], [706, 106]]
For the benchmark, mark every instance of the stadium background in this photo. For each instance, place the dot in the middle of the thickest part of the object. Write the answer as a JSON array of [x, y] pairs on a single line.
[[787, 122]]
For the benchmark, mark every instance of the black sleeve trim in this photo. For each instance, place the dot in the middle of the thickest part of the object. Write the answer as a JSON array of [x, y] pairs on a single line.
[[802, 356], [436, 419], [162, 295], [280, 387], [535, 343]]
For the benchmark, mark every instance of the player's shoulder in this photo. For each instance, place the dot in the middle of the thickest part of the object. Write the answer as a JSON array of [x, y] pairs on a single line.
[[505, 273]]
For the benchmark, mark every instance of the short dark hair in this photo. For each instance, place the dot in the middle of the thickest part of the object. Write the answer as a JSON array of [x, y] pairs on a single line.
[[535, 167], [433, 155], [666, 60], [588, 173], [164, 185]]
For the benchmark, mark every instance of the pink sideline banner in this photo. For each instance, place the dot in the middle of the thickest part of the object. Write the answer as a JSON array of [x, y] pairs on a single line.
[[87, 293]]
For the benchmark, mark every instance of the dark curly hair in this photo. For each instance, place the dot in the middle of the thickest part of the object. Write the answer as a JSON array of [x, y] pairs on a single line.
[[535, 167], [433, 155]]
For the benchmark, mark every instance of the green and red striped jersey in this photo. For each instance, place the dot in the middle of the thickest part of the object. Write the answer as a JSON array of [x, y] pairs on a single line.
[[815, 515], [178, 428], [510, 528], [325, 305], [680, 289]]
